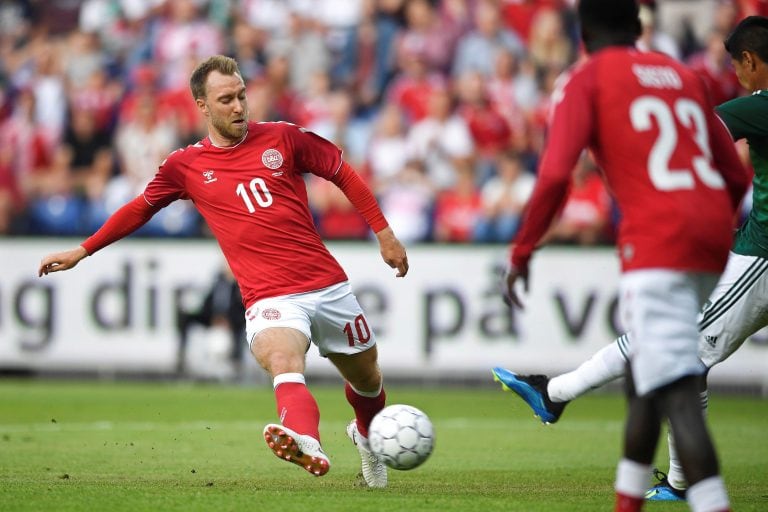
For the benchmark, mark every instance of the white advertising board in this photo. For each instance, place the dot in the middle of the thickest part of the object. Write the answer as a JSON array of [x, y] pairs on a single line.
[[116, 311]]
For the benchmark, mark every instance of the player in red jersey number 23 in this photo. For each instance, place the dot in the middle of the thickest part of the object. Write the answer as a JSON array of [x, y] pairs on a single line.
[[247, 181], [677, 180]]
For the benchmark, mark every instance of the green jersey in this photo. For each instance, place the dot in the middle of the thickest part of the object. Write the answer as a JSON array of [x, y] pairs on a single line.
[[747, 118]]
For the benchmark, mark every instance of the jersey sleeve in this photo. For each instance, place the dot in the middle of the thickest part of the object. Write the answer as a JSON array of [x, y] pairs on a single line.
[[120, 224], [312, 153], [569, 128], [168, 184], [360, 195], [743, 118]]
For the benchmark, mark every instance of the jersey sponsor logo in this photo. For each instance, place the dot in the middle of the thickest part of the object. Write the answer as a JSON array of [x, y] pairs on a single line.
[[272, 159], [270, 314], [657, 77], [208, 175]]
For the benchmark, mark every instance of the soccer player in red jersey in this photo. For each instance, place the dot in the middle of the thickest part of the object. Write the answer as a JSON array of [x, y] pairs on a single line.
[[247, 181], [676, 177]]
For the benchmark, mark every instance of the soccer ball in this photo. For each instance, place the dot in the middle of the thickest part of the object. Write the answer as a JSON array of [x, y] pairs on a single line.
[[402, 436]]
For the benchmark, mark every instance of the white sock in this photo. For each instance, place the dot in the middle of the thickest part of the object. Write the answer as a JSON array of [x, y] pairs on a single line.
[[675, 475], [368, 394], [708, 495], [632, 478], [604, 366], [298, 378]]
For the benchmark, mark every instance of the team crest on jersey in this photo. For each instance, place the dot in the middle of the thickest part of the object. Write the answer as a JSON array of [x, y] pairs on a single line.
[[208, 175], [270, 314], [272, 159]]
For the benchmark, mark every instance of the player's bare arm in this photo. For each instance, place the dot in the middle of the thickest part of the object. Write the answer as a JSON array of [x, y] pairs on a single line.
[[392, 251], [59, 261]]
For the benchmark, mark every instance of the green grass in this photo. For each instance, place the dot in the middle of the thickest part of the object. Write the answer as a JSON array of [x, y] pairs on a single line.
[[147, 446]]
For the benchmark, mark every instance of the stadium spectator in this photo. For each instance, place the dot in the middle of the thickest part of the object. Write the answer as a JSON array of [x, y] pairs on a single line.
[[303, 48], [182, 35], [314, 104], [248, 46], [476, 50], [671, 252], [713, 65], [388, 147], [427, 35], [81, 167], [518, 15], [294, 291], [407, 200], [441, 140], [549, 44], [491, 133], [652, 38], [343, 128], [26, 157], [503, 198], [338, 19], [413, 84], [512, 91], [458, 208]]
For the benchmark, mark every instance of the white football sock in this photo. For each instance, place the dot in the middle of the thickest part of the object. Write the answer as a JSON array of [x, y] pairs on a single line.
[[708, 495], [604, 366], [632, 478]]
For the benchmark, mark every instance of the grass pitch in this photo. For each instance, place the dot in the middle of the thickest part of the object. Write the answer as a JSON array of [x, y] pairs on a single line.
[[73, 446]]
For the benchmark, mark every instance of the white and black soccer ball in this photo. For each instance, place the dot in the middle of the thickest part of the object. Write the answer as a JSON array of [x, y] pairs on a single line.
[[402, 436]]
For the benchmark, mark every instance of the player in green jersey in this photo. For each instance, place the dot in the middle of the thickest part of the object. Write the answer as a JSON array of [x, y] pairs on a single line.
[[737, 308]]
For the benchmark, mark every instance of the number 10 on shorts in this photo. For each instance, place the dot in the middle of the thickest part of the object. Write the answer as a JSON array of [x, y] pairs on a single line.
[[358, 329]]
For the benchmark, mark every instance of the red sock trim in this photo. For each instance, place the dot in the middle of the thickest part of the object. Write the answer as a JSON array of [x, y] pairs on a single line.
[[626, 503]]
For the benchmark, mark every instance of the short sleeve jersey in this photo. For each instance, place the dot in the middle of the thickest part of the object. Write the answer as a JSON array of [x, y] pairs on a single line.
[[253, 197], [747, 118], [647, 120]]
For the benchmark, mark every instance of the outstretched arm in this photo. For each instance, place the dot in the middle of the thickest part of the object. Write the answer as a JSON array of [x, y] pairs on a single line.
[[61, 260], [358, 193], [122, 223]]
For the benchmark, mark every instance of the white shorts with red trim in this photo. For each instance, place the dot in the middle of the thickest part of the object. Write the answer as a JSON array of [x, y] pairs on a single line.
[[660, 307], [331, 318]]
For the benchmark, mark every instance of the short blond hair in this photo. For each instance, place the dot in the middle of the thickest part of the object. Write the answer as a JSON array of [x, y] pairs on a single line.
[[221, 63]]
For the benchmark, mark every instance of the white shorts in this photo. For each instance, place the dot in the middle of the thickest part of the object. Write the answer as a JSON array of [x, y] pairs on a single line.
[[660, 307], [737, 308], [331, 318]]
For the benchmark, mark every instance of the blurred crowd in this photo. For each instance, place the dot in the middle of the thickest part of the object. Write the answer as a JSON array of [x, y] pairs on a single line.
[[439, 104]]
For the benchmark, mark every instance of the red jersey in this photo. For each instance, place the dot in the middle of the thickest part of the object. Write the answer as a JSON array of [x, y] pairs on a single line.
[[668, 161], [254, 199]]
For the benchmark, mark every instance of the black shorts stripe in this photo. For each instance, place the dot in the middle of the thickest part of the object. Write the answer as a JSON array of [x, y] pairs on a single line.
[[734, 293], [623, 343]]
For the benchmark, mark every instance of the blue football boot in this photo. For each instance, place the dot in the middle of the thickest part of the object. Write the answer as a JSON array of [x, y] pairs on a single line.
[[663, 490], [532, 389]]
